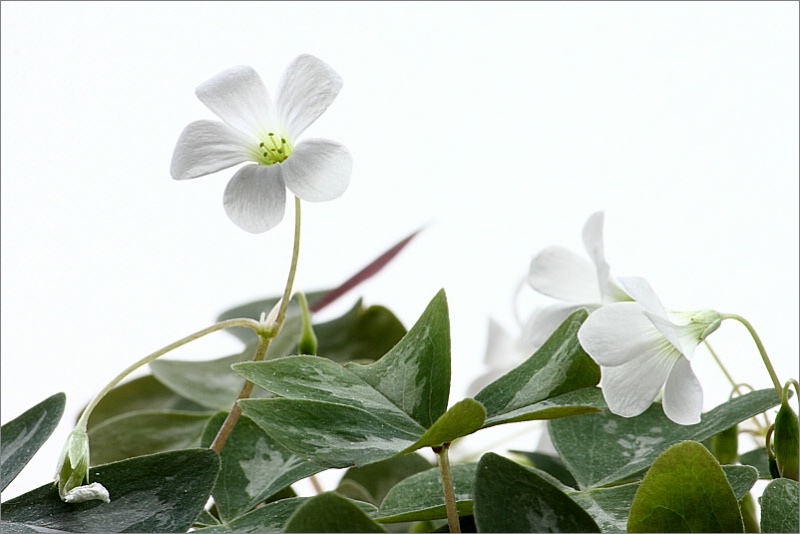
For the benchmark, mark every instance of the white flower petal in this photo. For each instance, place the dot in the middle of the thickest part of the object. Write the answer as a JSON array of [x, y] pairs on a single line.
[[502, 350], [593, 241], [307, 88], [618, 333], [205, 147], [683, 395], [91, 492], [239, 97], [629, 389], [318, 170], [560, 273], [639, 288], [544, 322], [255, 198]]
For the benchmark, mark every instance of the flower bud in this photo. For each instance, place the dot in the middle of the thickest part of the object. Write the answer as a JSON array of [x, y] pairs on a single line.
[[308, 339], [725, 445], [73, 470], [786, 442]]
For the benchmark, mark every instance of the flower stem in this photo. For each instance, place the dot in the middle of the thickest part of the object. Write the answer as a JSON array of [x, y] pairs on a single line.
[[447, 484], [265, 337], [761, 350], [736, 387], [231, 323]]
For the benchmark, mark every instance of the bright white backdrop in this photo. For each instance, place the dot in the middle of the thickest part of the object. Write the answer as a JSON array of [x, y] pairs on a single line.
[[500, 126]]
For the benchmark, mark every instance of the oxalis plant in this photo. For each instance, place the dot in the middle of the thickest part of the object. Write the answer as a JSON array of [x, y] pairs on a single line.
[[215, 446]]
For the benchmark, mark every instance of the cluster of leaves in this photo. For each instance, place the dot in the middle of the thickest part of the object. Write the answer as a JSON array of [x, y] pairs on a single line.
[[377, 394]]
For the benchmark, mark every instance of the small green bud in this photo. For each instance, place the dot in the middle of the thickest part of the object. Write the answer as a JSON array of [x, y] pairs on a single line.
[[786, 442], [308, 339], [749, 513], [725, 445]]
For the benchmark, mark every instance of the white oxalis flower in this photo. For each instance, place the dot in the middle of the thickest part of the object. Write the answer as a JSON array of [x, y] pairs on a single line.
[[503, 353], [577, 282], [254, 129], [641, 347]]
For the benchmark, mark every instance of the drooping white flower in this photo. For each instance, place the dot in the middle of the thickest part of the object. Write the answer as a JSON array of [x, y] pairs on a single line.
[[641, 348], [256, 130], [73, 470], [572, 279]]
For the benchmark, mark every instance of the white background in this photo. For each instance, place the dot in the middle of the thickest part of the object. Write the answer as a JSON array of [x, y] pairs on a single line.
[[500, 126]]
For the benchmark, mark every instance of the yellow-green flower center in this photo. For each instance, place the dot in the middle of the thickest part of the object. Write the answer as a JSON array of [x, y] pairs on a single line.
[[274, 149]]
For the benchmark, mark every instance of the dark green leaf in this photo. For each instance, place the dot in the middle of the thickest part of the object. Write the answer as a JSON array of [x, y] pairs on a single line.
[[158, 493], [759, 459], [780, 506], [254, 467], [420, 497], [138, 433], [23, 436], [622, 447], [355, 415], [140, 394], [560, 366], [685, 490], [330, 512], [378, 478], [550, 464], [8, 526], [268, 518], [513, 498]]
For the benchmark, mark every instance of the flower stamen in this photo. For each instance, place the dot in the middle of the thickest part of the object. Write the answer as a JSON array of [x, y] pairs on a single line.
[[274, 150]]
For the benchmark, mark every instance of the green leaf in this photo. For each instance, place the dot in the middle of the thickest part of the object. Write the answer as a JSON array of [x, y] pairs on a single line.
[[462, 419], [610, 506], [420, 497], [759, 459], [551, 465], [140, 394], [622, 446], [415, 374], [23, 436], [268, 518], [361, 334], [513, 498], [158, 493], [560, 366], [377, 479], [139, 433], [254, 467], [330, 512], [355, 415], [685, 490], [780, 506]]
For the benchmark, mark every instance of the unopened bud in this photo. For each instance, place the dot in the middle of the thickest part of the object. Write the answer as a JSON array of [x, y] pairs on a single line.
[[786, 442]]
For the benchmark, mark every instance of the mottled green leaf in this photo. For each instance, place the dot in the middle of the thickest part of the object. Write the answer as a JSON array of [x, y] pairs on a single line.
[[9, 526], [377, 479], [268, 518], [254, 467], [138, 433], [355, 415], [330, 512], [560, 366], [513, 498], [145, 393], [780, 506], [685, 490], [157, 493], [420, 497], [24, 435], [622, 446]]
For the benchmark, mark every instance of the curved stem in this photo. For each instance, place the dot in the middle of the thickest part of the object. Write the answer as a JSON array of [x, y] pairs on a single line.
[[231, 323], [736, 387], [761, 350], [265, 337]]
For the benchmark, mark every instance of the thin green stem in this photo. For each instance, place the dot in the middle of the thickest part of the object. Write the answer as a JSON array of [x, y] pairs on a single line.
[[231, 323], [736, 386], [447, 484], [761, 350], [265, 337]]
